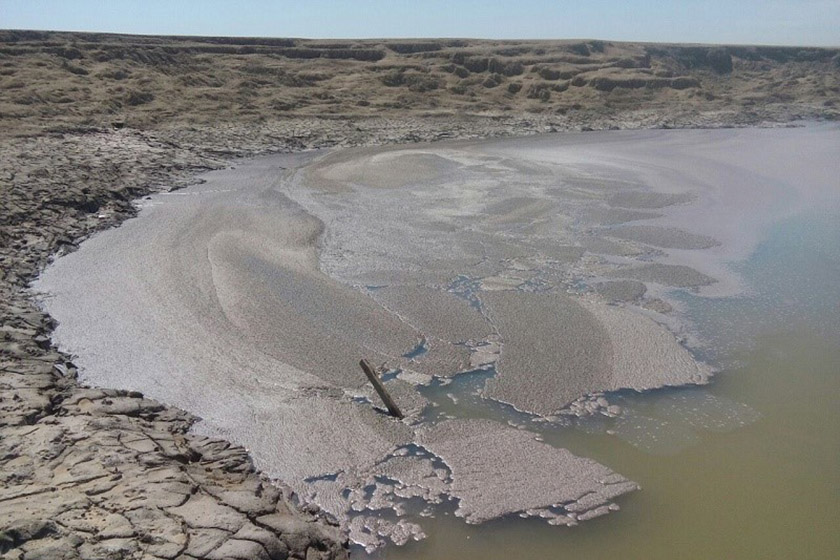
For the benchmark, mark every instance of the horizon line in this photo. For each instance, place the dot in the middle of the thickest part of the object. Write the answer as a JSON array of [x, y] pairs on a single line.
[[436, 38]]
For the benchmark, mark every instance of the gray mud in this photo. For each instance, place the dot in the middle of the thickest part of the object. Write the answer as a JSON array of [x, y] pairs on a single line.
[[552, 483], [674, 275], [647, 200], [558, 348], [248, 300], [621, 290], [665, 238], [611, 216]]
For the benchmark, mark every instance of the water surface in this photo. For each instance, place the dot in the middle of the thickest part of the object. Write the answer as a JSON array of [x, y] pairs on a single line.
[[747, 467]]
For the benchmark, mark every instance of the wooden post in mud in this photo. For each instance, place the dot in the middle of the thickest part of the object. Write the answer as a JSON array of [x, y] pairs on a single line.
[[380, 389]]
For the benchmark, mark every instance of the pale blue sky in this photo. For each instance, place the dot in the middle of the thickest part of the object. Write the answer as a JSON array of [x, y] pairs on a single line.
[[781, 22]]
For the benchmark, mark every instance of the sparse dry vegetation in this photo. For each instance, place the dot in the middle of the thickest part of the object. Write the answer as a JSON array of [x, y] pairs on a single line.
[[81, 79]]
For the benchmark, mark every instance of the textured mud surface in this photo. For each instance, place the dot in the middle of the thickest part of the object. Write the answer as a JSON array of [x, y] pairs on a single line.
[[96, 473], [106, 473], [268, 281]]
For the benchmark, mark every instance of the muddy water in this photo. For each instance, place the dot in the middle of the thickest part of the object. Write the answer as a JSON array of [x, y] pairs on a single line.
[[748, 467]]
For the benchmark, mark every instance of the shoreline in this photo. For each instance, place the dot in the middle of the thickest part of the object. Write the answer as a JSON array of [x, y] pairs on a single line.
[[45, 409]]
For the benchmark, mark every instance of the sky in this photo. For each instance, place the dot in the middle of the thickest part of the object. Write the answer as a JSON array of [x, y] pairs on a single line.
[[775, 22]]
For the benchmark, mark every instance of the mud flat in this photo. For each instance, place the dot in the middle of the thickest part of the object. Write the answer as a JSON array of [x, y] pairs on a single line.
[[248, 300], [106, 471]]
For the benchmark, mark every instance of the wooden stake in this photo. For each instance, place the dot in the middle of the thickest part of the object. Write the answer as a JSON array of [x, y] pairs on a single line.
[[380, 389]]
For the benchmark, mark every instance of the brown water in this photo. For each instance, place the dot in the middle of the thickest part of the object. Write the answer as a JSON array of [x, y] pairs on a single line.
[[712, 487]]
